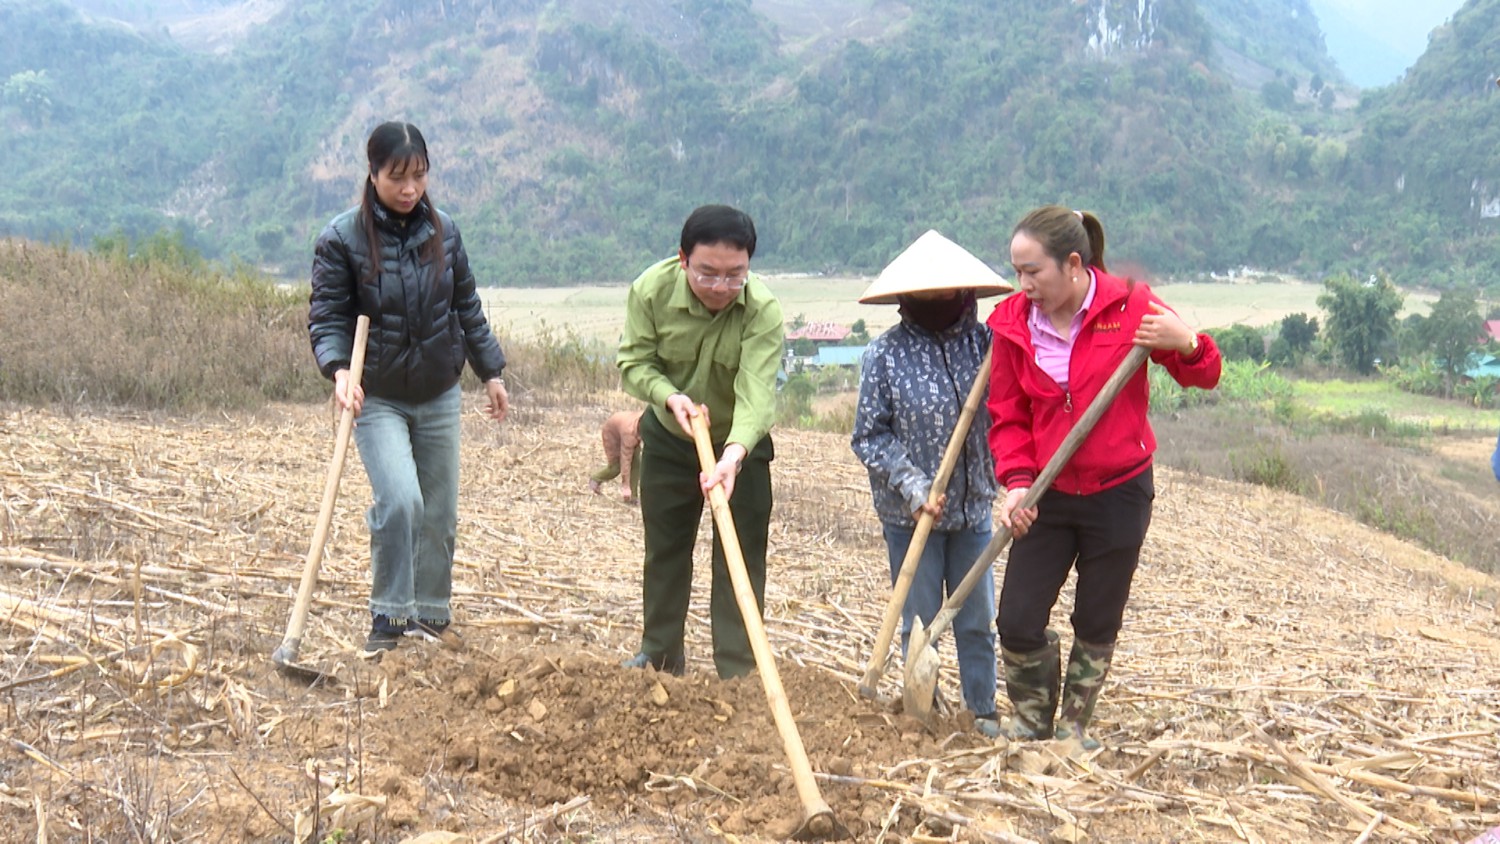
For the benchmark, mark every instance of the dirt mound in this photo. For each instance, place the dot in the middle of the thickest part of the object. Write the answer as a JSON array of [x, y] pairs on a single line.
[[540, 728], [1284, 674]]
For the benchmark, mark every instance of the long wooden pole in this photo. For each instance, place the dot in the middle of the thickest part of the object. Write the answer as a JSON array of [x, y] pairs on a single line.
[[817, 817], [291, 643]]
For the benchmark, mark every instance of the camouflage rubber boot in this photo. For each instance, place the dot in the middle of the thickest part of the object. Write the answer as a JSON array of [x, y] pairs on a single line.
[[1088, 665], [1031, 681]]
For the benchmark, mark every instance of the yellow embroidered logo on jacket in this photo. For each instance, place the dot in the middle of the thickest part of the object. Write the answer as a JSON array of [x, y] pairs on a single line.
[[1106, 326]]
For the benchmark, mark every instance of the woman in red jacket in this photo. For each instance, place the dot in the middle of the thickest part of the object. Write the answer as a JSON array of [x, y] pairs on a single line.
[[1055, 346]]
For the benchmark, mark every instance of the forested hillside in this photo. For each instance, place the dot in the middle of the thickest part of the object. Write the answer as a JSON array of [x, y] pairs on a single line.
[[1429, 156], [571, 138], [1264, 40]]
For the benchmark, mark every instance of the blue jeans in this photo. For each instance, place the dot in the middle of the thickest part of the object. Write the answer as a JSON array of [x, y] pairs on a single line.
[[410, 452], [946, 558]]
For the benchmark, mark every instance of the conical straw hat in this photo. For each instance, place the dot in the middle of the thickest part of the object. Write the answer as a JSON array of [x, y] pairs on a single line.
[[933, 262]]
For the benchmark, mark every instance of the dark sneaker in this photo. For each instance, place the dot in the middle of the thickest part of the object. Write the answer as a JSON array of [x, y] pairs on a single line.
[[987, 726], [385, 634], [676, 666]]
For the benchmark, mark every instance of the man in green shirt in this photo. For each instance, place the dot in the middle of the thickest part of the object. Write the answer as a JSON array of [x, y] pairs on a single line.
[[701, 329]]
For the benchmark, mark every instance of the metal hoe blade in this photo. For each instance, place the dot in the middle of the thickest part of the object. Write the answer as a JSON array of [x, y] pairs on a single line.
[[920, 686], [286, 659], [821, 826]]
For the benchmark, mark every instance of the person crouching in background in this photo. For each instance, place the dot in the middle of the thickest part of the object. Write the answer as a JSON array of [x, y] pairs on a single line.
[[621, 435]]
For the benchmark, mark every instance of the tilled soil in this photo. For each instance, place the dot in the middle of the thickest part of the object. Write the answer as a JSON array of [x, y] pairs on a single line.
[[149, 568], [539, 728]]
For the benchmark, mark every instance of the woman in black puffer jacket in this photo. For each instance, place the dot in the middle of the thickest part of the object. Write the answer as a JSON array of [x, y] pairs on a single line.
[[400, 261]]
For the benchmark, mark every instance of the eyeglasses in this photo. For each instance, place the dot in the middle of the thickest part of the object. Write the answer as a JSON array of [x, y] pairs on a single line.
[[719, 282]]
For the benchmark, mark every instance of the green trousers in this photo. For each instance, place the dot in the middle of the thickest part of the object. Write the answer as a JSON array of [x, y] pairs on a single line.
[[610, 471], [671, 509]]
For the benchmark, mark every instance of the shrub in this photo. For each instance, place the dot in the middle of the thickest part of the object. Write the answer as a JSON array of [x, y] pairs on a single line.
[[1375, 424], [794, 402], [558, 365], [1420, 376], [1241, 381], [1240, 342], [1266, 466]]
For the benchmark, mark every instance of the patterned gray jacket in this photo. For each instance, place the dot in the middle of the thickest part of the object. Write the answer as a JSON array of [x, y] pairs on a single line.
[[912, 388]]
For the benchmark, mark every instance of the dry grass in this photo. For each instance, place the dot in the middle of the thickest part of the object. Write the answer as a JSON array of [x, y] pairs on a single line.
[[82, 329], [1285, 673], [597, 311], [85, 330], [1260, 304], [1416, 487]]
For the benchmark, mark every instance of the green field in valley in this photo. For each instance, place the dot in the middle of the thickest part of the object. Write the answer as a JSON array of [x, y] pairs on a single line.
[[1352, 398], [597, 312]]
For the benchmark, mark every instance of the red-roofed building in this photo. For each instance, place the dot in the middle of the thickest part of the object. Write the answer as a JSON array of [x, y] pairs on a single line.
[[1492, 329], [819, 332]]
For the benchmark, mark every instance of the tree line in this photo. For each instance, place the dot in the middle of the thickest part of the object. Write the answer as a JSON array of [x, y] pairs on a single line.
[[1362, 333]]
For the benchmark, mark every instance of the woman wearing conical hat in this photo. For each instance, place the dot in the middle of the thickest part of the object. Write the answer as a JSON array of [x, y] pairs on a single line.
[[913, 383]]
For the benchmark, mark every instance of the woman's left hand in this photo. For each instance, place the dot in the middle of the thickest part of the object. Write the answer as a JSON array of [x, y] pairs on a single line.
[[1163, 329], [1012, 517], [499, 400]]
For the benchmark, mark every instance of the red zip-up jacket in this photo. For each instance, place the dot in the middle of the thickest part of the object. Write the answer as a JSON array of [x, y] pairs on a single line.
[[1030, 414]]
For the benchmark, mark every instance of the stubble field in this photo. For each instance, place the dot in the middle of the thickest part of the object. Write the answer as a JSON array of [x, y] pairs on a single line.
[[1284, 674]]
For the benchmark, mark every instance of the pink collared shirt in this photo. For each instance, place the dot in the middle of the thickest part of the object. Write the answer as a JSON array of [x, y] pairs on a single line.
[[1054, 351]]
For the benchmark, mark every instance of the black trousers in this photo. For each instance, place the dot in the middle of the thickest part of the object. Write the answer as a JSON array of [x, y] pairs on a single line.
[[671, 508], [1100, 535]]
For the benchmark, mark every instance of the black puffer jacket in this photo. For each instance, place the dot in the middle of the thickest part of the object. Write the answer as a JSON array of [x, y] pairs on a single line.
[[421, 330]]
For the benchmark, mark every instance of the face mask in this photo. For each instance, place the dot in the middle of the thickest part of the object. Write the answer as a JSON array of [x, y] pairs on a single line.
[[936, 314]]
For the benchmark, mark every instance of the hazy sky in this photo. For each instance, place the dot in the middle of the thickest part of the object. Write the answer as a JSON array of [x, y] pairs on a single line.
[[1403, 24]]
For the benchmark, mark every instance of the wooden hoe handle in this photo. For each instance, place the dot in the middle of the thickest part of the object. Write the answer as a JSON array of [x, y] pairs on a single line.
[[744, 595], [292, 641]]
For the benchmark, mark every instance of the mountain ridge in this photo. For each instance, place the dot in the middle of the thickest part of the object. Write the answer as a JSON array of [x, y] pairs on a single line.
[[570, 141]]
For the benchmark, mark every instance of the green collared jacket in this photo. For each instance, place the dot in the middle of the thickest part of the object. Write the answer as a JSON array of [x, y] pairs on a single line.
[[728, 360]]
